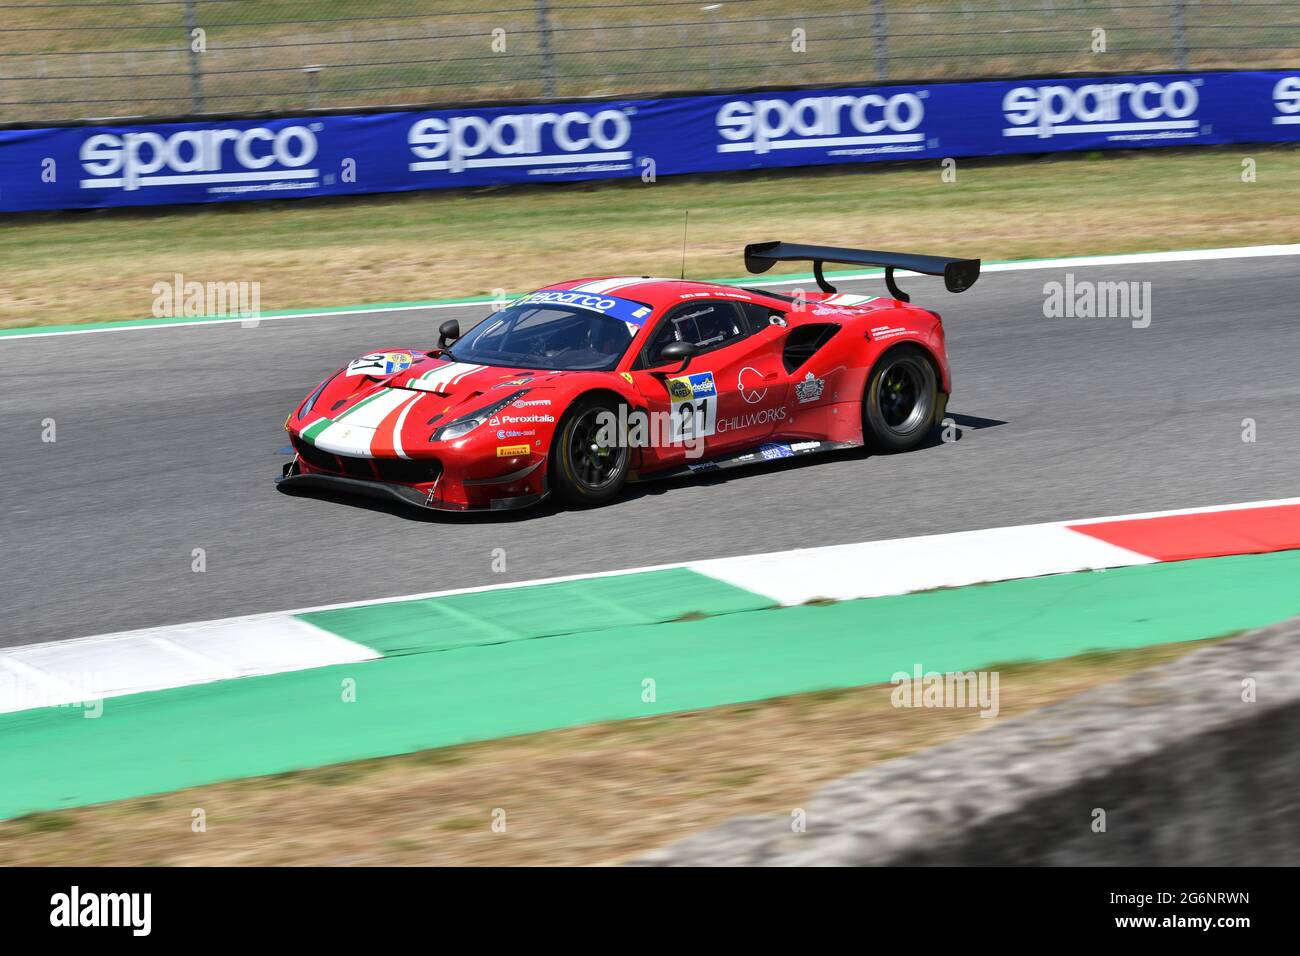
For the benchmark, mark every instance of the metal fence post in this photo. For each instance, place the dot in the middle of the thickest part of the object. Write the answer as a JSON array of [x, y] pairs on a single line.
[[712, 9], [880, 33], [196, 78], [544, 45], [1180, 33]]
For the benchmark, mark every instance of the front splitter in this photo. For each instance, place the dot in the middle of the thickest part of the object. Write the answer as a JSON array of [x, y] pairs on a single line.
[[404, 494]]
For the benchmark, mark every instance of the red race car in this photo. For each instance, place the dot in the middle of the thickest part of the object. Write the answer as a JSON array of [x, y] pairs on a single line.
[[585, 385]]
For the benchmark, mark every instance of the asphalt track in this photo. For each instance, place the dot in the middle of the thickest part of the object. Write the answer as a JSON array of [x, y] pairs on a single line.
[[168, 440]]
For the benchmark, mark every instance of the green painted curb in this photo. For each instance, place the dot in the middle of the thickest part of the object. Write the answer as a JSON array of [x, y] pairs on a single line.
[[587, 605], [469, 690]]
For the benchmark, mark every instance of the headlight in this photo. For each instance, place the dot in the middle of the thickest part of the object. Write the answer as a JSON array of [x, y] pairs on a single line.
[[467, 423], [311, 399]]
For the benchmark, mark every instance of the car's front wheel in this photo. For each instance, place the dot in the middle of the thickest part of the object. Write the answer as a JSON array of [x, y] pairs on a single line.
[[901, 403], [589, 454]]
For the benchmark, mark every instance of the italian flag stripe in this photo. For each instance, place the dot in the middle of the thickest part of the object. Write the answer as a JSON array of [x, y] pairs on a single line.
[[312, 431], [361, 404]]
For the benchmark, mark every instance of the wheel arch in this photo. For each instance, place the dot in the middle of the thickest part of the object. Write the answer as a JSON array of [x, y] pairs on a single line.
[[940, 368]]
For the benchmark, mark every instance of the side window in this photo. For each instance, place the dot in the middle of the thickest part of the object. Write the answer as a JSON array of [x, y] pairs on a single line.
[[760, 316], [707, 323]]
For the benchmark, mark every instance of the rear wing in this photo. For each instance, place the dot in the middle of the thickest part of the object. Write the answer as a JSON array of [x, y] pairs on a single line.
[[958, 274]]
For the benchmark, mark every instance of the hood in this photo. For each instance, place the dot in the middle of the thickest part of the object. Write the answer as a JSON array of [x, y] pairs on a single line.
[[391, 402]]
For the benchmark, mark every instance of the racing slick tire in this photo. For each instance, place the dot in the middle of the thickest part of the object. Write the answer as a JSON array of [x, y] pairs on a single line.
[[583, 472], [902, 400]]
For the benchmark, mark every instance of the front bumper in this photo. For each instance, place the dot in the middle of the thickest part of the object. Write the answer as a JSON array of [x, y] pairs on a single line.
[[296, 475]]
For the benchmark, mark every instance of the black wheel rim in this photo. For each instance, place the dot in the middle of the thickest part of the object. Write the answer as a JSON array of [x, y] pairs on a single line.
[[595, 465], [903, 395]]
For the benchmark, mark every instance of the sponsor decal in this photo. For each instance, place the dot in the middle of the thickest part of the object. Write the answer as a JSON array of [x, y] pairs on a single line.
[[699, 385], [531, 402], [536, 141], [750, 385], [763, 416], [627, 377], [810, 389], [1286, 98], [693, 406], [769, 452], [801, 446], [503, 434], [512, 451], [679, 388], [631, 313], [216, 158], [889, 332], [513, 382], [380, 363], [1129, 110], [524, 420], [871, 122]]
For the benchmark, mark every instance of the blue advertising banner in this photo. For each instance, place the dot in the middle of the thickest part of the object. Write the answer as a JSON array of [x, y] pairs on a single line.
[[219, 161]]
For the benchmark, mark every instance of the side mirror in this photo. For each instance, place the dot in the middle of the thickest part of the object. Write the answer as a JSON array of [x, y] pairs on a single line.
[[449, 331], [681, 352]]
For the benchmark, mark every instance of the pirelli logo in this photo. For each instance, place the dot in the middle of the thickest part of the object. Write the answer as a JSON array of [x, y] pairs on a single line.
[[512, 451]]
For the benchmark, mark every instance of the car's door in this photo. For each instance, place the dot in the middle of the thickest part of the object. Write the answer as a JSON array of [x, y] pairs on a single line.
[[733, 393]]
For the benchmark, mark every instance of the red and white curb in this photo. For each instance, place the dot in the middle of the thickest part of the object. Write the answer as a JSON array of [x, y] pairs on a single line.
[[902, 565], [65, 673], [111, 665]]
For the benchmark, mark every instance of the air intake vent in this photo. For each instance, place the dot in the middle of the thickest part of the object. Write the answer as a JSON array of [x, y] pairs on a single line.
[[804, 341]]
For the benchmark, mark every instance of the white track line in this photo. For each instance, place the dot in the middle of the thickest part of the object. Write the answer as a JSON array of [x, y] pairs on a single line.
[[1075, 262]]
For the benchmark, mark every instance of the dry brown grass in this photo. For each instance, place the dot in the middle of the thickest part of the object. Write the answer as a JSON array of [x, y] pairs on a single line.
[[94, 267], [583, 796]]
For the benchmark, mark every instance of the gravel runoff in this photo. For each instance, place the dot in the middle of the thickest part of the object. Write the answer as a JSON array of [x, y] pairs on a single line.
[[1186, 772]]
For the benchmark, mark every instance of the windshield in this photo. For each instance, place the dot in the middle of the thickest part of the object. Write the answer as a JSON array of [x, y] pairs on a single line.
[[557, 330]]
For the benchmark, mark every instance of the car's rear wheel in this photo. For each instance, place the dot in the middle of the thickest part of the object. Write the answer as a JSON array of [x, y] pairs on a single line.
[[901, 403], [589, 455]]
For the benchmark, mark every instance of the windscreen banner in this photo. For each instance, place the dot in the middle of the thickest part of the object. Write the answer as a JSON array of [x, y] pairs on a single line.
[[331, 155]]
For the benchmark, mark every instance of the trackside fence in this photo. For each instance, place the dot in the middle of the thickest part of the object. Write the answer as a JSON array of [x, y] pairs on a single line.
[[72, 59]]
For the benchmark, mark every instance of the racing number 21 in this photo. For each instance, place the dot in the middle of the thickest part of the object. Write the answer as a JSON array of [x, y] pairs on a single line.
[[694, 406]]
